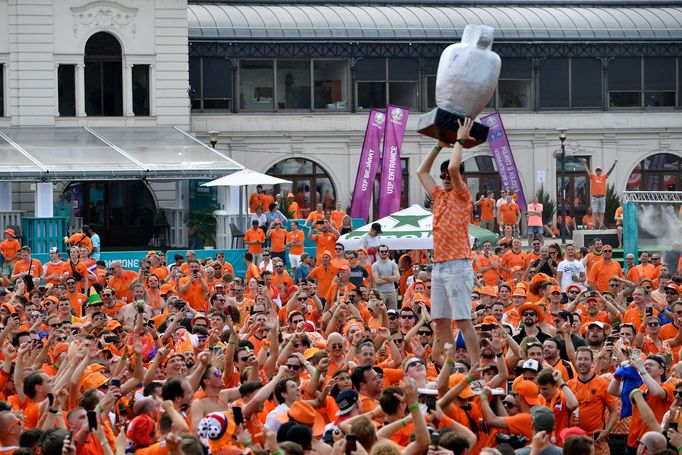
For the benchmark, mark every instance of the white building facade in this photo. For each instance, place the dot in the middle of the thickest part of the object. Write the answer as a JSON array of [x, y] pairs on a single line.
[[289, 87]]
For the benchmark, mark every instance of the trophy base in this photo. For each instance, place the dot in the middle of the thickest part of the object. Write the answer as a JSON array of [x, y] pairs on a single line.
[[442, 125]]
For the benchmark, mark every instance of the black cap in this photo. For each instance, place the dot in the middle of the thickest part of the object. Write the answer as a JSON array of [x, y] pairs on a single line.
[[345, 401], [377, 227]]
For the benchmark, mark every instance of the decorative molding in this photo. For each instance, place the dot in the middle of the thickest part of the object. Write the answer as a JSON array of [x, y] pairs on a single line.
[[104, 14]]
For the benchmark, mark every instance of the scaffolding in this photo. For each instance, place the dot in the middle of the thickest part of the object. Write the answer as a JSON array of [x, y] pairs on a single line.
[[630, 222]]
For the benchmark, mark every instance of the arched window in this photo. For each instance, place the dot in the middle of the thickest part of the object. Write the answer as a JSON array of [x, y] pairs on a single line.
[[103, 76], [310, 183], [659, 172]]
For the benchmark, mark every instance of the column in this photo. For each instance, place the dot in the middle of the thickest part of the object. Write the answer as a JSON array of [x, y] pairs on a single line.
[[152, 90], [44, 200], [80, 90], [5, 196], [56, 89], [128, 91]]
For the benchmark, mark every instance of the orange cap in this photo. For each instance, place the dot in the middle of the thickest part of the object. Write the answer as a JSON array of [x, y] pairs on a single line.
[[553, 289], [529, 391]]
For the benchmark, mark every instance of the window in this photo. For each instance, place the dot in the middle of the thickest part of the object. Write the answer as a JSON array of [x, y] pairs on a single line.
[[330, 79], [293, 84], [514, 86], [403, 86], [480, 173], [141, 90], [66, 90], [576, 185], [305, 175], [103, 76], [210, 82], [371, 85], [659, 82], [2, 90], [430, 67], [659, 172], [256, 85], [554, 86], [625, 82], [586, 83]]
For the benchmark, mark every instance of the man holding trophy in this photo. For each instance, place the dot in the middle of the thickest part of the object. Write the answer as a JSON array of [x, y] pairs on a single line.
[[466, 80]]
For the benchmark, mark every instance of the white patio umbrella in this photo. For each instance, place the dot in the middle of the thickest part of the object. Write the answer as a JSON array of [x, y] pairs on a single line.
[[242, 179]]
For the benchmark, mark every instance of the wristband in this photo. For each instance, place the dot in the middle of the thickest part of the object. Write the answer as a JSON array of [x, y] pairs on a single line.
[[277, 452], [449, 362], [246, 443], [318, 373], [484, 396], [403, 421], [437, 148], [468, 379], [53, 411], [413, 407], [679, 449], [564, 385]]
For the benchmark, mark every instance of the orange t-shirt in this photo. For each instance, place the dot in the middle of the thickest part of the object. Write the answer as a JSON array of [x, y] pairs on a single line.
[[598, 184], [591, 259], [491, 277], [601, 273], [277, 240], [634, 317], [658, 406], [254, 235], [51, 268], [619, 214], [511, 260], [35, 266], [113, 311], [194, 294], [487, 207], [254, 202], [648, 271], [508, 213], [451, 216], [266, 200], [521, 423], [284, 279], [122, 285], [314, 216], [10, 247], [77, 301], [325, 242], [79, 239], [324, 278], [336, 218], [593, 401], [298, 237], [587, 221], [252, 272]]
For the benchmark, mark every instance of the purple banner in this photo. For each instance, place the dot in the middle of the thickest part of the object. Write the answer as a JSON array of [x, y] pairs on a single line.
[[367, 167], [502, 154], [391, 184]]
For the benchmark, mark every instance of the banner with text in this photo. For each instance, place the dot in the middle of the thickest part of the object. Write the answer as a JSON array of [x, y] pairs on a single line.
[[391, 183], [367, 167], [502, 154]]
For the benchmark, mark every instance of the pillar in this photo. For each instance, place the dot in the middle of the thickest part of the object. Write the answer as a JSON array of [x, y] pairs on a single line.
[[44, 205], [152, 90], [56, 89], [128, 91], [80, 90], [5, 196]]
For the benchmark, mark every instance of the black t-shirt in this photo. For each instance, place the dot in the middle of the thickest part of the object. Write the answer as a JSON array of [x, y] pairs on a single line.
[[545, 267], [358, 274], [522, 334]]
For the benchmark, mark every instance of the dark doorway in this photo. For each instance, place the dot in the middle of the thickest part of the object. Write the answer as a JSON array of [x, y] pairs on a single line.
[[103, 76]]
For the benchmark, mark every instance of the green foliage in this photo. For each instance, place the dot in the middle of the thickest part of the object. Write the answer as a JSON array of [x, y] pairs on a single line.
[[548, 205], [284, 204], [203, 223], [612, 203]]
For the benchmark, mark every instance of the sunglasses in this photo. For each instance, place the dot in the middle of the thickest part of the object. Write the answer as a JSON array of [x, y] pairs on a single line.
[[383, 251], [266, 255], [607, 251], [414, 363], [406, 316], [653, 324], [338, 248], [398, 340], [294, 367], [445, 177], [462, 370], [336, 346], [244, 359], [57, 325], [60, 339], [529, 313], [425, 333], [301, 299], [298, 321]]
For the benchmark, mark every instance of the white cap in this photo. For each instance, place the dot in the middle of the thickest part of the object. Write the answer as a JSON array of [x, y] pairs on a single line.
[[531, 364], [54, 249]]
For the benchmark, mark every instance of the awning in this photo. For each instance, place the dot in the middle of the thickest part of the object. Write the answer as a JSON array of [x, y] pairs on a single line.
[[43, 154], [361, 22]]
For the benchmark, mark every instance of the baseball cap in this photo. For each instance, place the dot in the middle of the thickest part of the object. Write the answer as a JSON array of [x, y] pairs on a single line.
[[532, 365], [10, 231], [543, 418], [672, 286], [345, 401], [553, 289], [54, 249], [572, 431], [529, 391], [377, 227]]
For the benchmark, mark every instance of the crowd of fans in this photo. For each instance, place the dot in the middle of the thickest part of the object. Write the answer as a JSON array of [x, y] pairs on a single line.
[[339, 353]]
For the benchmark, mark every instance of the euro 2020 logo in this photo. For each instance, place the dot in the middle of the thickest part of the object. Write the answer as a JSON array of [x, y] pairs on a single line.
[[397, 115], [379, 118]]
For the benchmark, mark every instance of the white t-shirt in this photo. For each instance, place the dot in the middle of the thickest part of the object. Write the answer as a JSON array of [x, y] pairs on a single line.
[[568, 269]]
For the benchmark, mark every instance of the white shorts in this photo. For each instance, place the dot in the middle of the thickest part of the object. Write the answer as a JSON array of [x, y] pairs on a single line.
[[294, 260], [451, 286]]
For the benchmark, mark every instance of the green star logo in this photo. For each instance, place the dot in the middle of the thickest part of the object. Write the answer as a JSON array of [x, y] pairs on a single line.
[[408, 220]]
